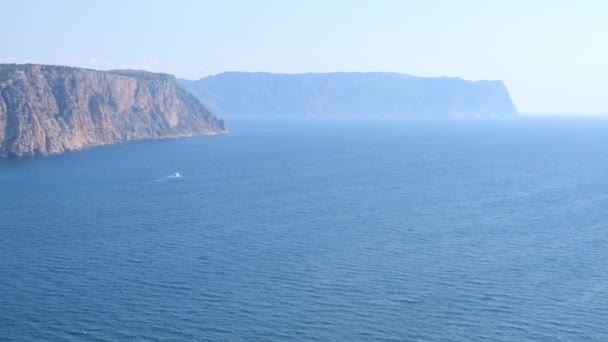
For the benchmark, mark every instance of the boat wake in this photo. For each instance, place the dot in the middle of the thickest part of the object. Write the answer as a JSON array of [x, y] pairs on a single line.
[[175, 175]]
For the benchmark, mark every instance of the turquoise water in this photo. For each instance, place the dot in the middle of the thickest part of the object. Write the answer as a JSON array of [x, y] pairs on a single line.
[[314, 230]]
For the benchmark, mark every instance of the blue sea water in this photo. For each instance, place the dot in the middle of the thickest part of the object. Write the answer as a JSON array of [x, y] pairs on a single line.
[[314, 230]]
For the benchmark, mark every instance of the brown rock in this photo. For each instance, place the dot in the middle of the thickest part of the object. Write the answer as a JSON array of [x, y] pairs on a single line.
[[52, 109]]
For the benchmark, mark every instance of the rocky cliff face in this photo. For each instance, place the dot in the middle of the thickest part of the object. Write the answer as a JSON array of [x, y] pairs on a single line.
[[350, 94], [52, 109]]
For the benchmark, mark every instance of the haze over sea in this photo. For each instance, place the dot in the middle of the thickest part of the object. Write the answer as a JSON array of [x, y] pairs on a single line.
[[314, 230]]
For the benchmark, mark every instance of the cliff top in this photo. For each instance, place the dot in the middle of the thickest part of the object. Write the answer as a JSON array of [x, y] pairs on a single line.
[[7, 69], [384, 75]]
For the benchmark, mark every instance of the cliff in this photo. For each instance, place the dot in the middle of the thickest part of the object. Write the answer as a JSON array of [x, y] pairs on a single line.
[[349, 94], [51, 109]]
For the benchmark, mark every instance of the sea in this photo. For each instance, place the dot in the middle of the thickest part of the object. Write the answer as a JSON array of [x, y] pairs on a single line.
[[314, 230]]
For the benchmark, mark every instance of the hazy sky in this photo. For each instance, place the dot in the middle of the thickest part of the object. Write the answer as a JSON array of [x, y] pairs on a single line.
[[552, 54]]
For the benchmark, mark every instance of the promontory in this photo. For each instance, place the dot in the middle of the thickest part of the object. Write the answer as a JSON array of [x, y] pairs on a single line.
[[350, 94], [52, 109]]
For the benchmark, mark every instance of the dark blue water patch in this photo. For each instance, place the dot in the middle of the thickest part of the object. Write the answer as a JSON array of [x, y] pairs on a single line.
[[314, 230]]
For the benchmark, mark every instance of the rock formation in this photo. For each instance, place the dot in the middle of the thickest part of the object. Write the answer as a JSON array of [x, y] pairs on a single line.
[[51, 109], [349, 94]]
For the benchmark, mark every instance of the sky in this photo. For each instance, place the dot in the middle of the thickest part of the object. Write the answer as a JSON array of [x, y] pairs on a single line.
[[551, 54]]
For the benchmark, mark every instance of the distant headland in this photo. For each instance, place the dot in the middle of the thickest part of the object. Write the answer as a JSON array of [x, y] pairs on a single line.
[[350, 94]]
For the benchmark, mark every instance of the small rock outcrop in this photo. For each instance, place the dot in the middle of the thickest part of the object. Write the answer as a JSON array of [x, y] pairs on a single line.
[[52, 109]]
